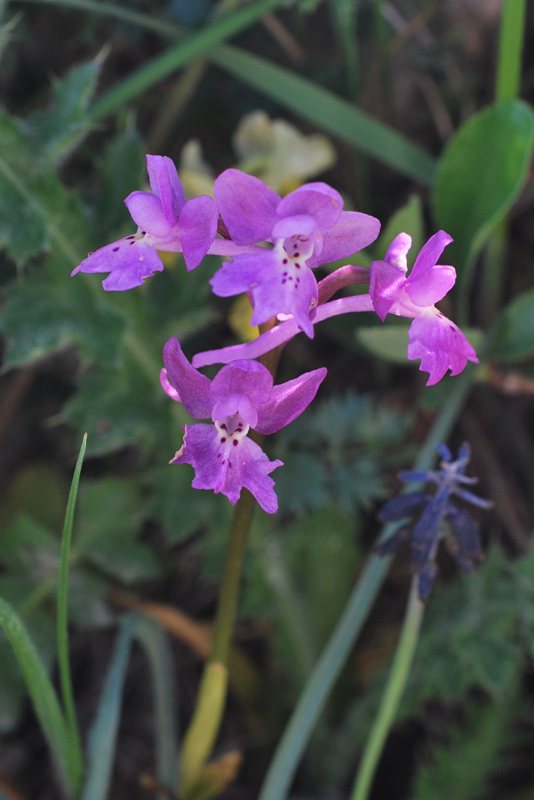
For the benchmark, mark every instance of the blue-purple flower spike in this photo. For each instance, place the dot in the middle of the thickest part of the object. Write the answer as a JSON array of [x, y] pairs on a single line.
[[439, 518]]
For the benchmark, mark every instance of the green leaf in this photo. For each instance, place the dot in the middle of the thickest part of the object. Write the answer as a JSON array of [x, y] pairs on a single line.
[[480, 175], [40, 688], [63, 312], [195, 46], [121, 171], [514, 337], [328, 111], [155, 643], [121, 406], [109, 527], [388, 342], [56, 130], [103, 733], [74, 742]]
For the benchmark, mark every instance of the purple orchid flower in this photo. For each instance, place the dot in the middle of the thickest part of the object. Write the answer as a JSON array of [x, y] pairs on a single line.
[[437, 341], [166, 221], [307, 228], [239, 398]]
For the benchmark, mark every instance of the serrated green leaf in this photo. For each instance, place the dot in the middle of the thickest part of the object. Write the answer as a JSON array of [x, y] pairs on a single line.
[[109, 528], [514, 338], [56, 130], [121, 406], [183, 510], [36, 211], [62, 313], [121, 171], [480, 174]]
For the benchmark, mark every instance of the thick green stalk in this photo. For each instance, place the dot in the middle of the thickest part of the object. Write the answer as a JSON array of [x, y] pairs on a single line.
[[509, 60], [204, 726], [392, 694], [206, 721]]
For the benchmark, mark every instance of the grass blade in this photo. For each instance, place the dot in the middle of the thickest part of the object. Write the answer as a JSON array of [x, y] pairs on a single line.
[[103, 734], [75, 751], [199, 45], [40, 689], [156, 645], [328, 111]]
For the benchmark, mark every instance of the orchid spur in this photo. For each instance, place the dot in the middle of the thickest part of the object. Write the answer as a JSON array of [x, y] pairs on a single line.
[[239, 398], [437, 341]]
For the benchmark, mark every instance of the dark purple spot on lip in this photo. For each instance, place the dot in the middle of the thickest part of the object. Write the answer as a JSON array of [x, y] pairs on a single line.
[[235, 442], [223, 439], [296, 255], [132, 242], [143, 233], [115, 249], [284, 261], [223, 426], [284, 280], [284, 274], [131, 237], [297, 266]]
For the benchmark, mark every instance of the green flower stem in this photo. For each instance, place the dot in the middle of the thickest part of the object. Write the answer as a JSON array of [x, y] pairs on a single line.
[[392, 695], [510, 49], [204, 726]]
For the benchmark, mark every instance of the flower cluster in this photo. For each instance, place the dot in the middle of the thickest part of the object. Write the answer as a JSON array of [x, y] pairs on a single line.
[[274, 245], [440, 519]]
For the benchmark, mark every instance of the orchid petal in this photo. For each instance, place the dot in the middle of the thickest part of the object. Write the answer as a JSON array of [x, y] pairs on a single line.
[[247, 206], [318, 200], [193, 388], [129, 261], [440, 345], [298, 225], [398, 250], [228, 471], [288, 400], [352, 232], [146, 211], [165, 184], [432, 286], [385, 283], [249, 378], [197, 228], [429, 254], [233, 404], [167, 387]]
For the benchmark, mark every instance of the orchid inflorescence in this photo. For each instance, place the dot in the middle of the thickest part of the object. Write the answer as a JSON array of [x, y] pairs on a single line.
[[274, 244]]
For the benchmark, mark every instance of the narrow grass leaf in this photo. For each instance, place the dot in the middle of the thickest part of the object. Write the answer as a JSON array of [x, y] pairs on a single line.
[[156, 645], [328, 111], [75, 752], [40, 689], [103, 734], [179, 55]]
